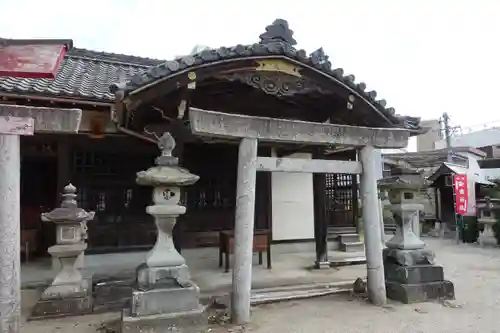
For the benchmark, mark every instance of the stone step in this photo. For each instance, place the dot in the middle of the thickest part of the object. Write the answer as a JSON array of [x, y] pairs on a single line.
[[349, 238], [352, 246], [356, 260], [278, 296]]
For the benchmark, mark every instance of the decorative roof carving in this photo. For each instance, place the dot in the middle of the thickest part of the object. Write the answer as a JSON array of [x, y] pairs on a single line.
[[319, 56], [274, 84], [278, 32]]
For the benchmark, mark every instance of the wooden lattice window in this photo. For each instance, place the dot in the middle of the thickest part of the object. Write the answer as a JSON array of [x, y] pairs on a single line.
[[341, 199], [106, 183]]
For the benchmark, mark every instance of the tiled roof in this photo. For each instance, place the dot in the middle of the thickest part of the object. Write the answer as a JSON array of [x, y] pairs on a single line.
[[276, 41], [84, 74]]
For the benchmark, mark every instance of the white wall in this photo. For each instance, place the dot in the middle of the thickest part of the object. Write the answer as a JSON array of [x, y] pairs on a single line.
[[292, 204], [491, 174], [483, 138]]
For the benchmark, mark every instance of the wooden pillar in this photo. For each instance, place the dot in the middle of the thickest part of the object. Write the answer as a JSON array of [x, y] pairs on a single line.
[[10, 261], [320, 221], [371, 223], [243, 231], [63, 166], [178, 232], [64, 160], [436, 204]]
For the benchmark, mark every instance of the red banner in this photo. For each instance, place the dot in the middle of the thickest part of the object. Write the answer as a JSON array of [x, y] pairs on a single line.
[[31, 61], [461, 193]]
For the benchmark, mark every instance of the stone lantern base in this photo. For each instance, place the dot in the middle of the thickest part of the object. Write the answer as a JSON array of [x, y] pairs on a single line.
[[70, 293], [412, 277], [164, 297], [75, 305], [151, 313]]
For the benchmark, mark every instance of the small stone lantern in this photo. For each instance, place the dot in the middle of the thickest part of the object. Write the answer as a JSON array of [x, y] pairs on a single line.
[[402, 195], [487, 210], [164, 292], [69, 292], [410, 273]]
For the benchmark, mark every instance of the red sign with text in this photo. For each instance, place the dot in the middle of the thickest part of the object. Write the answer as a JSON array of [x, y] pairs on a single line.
[[35, 61], [461, 194]]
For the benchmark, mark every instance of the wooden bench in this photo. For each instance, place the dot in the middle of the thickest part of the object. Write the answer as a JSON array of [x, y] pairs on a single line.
[[261, 243]]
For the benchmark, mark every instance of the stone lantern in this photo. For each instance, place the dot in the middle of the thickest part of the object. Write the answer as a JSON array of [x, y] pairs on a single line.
[[164, 294], [69, 292], [410, 272], [402, 197], [488, 212]]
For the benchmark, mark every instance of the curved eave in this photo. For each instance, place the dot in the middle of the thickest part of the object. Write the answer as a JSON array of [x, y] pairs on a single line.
[[350, 88], [216, 57], [208, 61]]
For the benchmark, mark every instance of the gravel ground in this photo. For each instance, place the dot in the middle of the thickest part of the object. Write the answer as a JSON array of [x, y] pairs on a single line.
[[475, 272]]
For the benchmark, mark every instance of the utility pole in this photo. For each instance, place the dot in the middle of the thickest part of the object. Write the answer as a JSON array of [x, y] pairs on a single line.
[[447, 133]]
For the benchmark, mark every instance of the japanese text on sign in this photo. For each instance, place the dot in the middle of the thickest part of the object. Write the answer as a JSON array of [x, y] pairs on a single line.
[[461, 193]]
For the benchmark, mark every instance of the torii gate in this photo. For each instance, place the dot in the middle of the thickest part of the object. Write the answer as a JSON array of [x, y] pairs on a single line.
[[26, 59], [252, 129]]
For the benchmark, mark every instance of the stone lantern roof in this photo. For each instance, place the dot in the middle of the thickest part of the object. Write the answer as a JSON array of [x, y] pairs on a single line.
[[166, 171]]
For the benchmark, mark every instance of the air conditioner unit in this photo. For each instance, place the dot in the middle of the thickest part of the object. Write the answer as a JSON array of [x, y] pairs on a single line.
[[448, 180]]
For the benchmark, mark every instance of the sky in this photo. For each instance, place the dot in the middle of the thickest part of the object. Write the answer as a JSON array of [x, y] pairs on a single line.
[[425, 57]]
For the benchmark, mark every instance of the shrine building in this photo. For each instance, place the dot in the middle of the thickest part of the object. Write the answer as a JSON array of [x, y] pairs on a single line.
[[129, 101]]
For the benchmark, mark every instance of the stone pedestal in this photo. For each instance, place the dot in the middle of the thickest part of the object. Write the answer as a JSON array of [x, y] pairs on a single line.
[[437, 230], [164, 295], [80, 263], [69, 293], [410, 271], [405, 238], [488, 209], [487, 236]]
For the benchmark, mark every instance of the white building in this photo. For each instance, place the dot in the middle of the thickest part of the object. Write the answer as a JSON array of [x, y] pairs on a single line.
[[488, 140], [489, 137]]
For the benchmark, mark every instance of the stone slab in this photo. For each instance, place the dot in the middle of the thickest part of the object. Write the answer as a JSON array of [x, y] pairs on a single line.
[[413, 274], [279, 164], [112, 295], [17, 126], [225, 125], [167, 300], [352, 247], [47, 120], [416, 293], [45, 309], [68, 290], [183, 322], [409, 257], [322, 265]]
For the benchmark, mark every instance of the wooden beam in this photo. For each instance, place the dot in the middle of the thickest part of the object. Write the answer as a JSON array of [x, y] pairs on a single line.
[[47, 120], [224, 125], [273, 164]]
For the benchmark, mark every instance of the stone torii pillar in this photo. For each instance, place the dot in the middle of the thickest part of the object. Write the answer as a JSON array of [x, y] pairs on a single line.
[[14, 121], [372, 225]]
